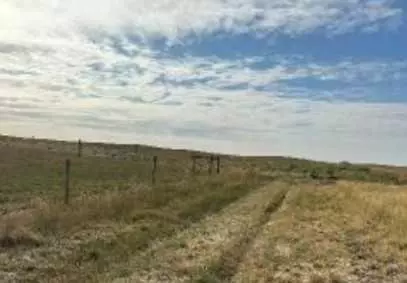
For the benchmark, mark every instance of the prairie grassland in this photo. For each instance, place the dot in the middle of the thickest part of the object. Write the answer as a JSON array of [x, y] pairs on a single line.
[[260, 220]]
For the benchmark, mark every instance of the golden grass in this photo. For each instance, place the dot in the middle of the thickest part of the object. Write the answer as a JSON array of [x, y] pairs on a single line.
[[98, 233], [188, 254], [352, 232], [239, 226], [346, 232]]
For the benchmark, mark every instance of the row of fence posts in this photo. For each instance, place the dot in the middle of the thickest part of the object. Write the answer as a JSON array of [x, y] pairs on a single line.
[[194, 158], [211, 160]]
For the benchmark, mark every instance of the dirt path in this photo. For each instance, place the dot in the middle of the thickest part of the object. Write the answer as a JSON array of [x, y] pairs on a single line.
[[255, 264], [205, 248]]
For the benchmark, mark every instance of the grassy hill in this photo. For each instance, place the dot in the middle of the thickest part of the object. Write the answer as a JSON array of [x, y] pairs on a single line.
[[262, 219]]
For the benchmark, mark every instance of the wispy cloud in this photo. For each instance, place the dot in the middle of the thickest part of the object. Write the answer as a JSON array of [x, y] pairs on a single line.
[[64, 66], [175, 19]]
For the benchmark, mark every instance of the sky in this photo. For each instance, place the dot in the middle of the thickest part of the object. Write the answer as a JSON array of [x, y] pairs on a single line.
[[319, 79]]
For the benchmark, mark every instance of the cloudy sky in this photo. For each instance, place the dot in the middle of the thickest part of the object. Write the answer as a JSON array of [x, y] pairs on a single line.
[[322, 79]]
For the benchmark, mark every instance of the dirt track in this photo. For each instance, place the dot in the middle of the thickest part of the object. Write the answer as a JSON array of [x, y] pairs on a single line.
[[219, 240]]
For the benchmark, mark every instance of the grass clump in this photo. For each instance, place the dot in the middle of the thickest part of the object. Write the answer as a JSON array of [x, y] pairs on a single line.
[[14, 233]]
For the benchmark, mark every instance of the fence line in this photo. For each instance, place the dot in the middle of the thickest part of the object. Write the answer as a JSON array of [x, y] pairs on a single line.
[[80, 150], [154, 169]]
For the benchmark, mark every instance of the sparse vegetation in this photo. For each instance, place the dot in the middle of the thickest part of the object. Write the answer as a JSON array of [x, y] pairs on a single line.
[[260, 220]]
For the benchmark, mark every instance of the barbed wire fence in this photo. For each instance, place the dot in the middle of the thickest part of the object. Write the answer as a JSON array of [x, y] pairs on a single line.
[[73, 165]]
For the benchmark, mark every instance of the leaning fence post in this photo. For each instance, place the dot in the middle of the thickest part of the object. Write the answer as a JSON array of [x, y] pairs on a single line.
[[210, 165], [218, 164], [155, 161], [67, 179], [79, 148]]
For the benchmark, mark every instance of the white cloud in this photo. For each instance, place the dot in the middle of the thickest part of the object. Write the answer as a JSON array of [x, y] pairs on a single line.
[[177, 18], [240, 123], [61, 75]]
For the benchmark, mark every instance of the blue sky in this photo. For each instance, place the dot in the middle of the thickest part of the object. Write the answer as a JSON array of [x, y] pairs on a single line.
[[321, 79]]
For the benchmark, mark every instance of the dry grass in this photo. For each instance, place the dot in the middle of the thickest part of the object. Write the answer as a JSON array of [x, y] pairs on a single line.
[[14, 232], [260, 220], [201, 249], [105, 228], [352, 232]]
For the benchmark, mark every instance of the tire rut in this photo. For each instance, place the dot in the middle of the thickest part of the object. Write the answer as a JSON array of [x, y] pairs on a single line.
[[224, 269], [212, 242]]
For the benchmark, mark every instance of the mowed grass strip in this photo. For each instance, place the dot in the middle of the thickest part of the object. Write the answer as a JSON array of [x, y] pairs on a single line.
[[224, 267], [184, 257]]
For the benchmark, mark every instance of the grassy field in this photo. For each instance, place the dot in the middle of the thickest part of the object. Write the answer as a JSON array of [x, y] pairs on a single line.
[[262, 219]]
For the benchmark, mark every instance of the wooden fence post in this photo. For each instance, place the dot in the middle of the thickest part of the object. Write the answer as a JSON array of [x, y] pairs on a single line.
[[210, 165], [218, 164], [79, 148], [155, 161], [67, 179]]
